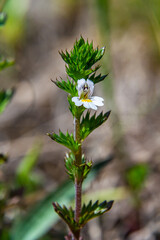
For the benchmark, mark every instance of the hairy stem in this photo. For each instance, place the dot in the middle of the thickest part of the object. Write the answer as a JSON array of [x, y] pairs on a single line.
[[78, 182]]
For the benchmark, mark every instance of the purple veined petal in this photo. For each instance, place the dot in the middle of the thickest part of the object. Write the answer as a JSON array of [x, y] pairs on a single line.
[[80, 84], [92, 105], [91, 87]]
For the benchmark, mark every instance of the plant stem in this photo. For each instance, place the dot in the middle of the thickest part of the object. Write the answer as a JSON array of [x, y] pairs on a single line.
[[78, 182]]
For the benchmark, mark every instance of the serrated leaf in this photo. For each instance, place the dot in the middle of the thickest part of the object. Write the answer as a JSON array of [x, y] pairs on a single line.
[[67, 86], [67, 215], [4, 63], [66, 140], [91, 211], [5, 97], [97, 79], [88, 124]]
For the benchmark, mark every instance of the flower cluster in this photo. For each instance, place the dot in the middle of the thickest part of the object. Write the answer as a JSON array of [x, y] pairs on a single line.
[[85, 90]]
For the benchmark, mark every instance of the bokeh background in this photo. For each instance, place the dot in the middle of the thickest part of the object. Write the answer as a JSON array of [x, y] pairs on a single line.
[[129, 142]]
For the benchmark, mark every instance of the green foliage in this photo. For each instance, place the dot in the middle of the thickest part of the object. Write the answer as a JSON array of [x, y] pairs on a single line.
[[81, 59], [81, 171], [5, 97], [66, 140], [67, 86], [88, 124], [41, 217], [98, 78], [137, 175], [88, 212], [24, 176], [3, 158], [68, 216], [3, 18], [15, 27], [4, 63]]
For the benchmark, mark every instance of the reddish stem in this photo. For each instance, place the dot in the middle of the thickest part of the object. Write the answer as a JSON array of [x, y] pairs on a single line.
[[78, 199], [78, 182]]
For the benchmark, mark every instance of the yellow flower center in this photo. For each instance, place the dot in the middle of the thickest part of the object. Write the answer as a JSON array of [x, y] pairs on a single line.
[[86, 100]]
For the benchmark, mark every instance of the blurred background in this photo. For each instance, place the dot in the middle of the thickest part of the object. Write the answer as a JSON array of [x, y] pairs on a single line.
[[128, 143]]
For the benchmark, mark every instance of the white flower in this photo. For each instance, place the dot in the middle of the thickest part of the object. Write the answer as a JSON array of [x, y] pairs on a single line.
[[85, 91]]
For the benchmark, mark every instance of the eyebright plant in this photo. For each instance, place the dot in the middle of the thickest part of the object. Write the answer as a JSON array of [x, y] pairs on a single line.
[[82, 78]]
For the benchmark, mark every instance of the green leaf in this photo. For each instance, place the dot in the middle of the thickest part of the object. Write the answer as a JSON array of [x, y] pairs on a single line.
[[3, 18], [66, 140], [136, 175], [91, 211], [24, 175], [88, 212], [3, 158], [4, 63], [88, 124], [80, 171], [68, 216], [67, 86], [5, 97], [41, 217], [97, 79], [81, 59]]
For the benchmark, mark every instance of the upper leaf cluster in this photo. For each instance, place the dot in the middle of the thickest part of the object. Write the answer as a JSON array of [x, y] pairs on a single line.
[[81, 59]]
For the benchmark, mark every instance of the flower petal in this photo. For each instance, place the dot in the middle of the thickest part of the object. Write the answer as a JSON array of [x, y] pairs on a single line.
[[92, 105], [98, 101], [86, 104], [91, 87], [77, 101]]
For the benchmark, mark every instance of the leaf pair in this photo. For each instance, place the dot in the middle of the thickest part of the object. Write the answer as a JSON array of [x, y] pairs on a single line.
[[88, 212], [81, 171]]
